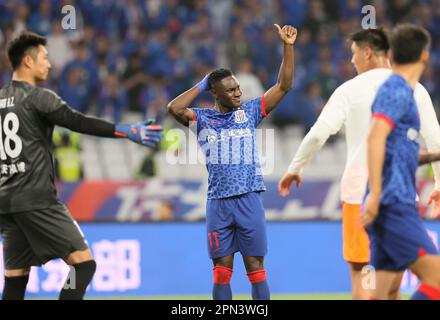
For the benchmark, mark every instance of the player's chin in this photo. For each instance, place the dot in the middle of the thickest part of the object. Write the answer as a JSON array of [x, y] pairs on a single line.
[[236, 103], [42, 77]]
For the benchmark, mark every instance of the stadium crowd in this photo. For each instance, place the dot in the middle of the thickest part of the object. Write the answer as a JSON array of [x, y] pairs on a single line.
[[136, 54]]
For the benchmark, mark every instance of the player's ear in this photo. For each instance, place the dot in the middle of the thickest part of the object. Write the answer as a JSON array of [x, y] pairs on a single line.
[[28, 61], [368, 52], [391, 56], [425, 56]]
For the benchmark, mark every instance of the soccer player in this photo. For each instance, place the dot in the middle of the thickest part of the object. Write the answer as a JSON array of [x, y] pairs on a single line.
[[35, 226], [398, 237], [350, 106], [234, 211]]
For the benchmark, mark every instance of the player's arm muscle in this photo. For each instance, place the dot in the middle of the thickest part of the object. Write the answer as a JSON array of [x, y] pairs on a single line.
[[178, 107], [285, 79], [425, 157], [376, 147]]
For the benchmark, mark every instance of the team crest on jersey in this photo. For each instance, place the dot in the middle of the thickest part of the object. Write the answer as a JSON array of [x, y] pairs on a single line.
[[240, 116]]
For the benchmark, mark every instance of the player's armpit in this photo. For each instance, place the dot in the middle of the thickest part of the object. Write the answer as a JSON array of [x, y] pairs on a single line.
[[273, 96], [184, 116]]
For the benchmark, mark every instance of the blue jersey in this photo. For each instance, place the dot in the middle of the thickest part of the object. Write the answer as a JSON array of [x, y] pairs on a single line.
[[228, 142], [395, 103]]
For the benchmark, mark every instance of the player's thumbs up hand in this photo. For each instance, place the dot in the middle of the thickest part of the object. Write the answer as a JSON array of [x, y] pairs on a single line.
[[287, 34]]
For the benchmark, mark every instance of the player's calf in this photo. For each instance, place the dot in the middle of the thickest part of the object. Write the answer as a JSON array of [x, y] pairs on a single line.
[[77, 281], [427, 270], [15, 284], [257, 277]]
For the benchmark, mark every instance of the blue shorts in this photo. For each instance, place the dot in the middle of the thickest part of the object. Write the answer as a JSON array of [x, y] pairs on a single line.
[[236, 224], [398, 238]]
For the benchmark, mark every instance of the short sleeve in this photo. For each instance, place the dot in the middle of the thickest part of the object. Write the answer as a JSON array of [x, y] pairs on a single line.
[[390, 104], [197, 120], [255, 109]]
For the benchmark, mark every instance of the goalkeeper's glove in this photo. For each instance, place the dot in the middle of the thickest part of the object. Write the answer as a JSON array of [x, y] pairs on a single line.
[[144, 133]]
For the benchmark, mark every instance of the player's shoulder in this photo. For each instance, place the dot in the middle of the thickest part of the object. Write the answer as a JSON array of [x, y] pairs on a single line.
[[420, 91], [202, 112], [251, 106], [44, 94], [396, 86], [252, 103], [45, 99], [366, 79]]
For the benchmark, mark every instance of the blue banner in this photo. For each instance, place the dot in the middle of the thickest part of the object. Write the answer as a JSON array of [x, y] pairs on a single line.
[[171, 259]]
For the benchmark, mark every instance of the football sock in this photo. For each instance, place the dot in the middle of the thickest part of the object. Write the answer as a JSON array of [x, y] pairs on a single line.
[[83, 275], [15, 288], [426, 292], [260, 288], [222, 288]]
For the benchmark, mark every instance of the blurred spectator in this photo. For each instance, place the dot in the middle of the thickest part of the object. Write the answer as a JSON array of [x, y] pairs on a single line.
[[326, 79], [177, 71], [112, 99], [249, 83], [68, 162], [162, 47], [58, 46], [74, 90], [316, 17], [41, 21], [166, 211], [398, 10], [154, 99], [293, 11], [84, 81], [267, 55], [311, 105], [237, 48], [134, 80]]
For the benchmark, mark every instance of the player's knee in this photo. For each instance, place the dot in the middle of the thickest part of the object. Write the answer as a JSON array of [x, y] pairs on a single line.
[[84, 271], [254, 263], [17, 272], [79, 257], [222, 275], [394, 294], [257, 276]]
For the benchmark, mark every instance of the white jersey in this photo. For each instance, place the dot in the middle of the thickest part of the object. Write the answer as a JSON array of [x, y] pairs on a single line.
[[350, 105]]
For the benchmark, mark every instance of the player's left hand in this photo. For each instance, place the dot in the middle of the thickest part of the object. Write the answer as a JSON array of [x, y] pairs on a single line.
[[287, 34], [286, 183], [435, 196], [144, 133], [371, 210]]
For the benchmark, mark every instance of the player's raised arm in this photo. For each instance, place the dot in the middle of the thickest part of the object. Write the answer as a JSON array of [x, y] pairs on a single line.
[[178, 107], [285, 77]]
